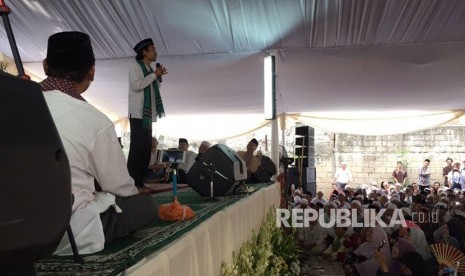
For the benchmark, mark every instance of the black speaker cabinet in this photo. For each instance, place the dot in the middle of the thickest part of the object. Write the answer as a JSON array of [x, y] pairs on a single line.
[[308, 179], [220, 164], [34, 215]]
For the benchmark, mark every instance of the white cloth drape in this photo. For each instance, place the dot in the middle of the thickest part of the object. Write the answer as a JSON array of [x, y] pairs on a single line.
[[376, 123]]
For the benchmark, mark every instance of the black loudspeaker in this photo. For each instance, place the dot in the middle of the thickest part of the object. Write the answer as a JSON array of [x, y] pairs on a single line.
[[304, 150], [35, 190], [220, 164], [308, 179]]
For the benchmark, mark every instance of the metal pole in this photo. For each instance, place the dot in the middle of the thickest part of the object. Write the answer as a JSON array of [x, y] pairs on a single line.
[[275, 143], [4, 11]]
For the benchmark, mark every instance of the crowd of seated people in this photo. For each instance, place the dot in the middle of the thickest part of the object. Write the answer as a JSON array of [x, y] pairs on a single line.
[[435, 215]]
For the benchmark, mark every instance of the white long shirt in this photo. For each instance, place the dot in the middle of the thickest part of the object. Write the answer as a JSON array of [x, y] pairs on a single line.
[[343, 176], [137, 83], [188, 162], [93, 151]]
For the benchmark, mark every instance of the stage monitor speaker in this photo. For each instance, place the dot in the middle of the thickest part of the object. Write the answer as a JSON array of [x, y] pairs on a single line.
[[220, 164]]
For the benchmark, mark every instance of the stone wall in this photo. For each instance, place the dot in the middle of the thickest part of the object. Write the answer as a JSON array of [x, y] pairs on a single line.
[[373, 158]]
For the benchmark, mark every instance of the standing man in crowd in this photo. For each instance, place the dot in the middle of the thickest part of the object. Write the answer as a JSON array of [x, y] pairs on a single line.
[[446, 170], [424, 174], [399, 174], [93, 151], [455, 177], [342, 177], [145, 105]]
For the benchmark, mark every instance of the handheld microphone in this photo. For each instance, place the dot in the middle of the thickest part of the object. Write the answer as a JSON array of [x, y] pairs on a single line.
[[158, 65]]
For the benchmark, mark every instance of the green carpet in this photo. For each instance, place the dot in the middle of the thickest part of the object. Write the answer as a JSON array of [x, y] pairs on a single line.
[[127, 251]]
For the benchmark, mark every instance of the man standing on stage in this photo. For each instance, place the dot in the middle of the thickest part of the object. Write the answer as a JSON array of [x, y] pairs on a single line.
[[145, 105]]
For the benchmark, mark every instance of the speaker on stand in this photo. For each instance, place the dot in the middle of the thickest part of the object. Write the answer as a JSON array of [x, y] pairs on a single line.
[[303, 174]]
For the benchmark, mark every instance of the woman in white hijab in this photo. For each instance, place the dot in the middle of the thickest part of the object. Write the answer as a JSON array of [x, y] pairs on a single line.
[[418, 238], [376, 237]]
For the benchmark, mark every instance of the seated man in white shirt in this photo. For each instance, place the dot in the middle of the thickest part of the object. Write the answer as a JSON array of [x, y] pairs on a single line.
[[183, 168], [319, 198], [93, 151]]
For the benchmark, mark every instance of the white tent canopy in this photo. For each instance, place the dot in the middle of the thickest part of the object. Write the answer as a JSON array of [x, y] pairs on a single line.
[[346, 55]]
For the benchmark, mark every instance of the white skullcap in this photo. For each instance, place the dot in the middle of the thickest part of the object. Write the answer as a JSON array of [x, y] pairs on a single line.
[[332, 204], [406, 211], [442, 204], [297, 199], [303, 201], [357, 202], [206, 143], [390, 205]]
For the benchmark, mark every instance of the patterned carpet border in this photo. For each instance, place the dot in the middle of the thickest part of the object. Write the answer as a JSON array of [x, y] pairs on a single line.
[[129, 250]]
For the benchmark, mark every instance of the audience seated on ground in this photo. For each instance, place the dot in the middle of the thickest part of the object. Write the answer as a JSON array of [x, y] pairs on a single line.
[[437, 217], [337, 246]]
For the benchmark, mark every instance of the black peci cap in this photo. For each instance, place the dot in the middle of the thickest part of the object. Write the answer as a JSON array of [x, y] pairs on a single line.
[[142, 44], [70, 51]]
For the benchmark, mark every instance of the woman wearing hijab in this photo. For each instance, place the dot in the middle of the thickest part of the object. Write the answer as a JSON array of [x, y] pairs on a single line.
[[376, 241], [418, 238], [399, 249]]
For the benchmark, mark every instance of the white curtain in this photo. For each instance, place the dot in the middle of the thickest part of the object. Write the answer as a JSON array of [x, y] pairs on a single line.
[[375, 123]]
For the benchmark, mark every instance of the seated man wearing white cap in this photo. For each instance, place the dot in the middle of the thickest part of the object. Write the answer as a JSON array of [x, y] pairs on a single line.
[[204, 146]]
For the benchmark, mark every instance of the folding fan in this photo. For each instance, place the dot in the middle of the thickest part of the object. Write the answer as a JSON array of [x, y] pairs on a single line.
[[449, 256]]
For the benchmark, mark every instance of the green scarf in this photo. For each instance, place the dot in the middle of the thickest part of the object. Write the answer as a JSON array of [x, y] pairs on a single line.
[[147, 111]]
